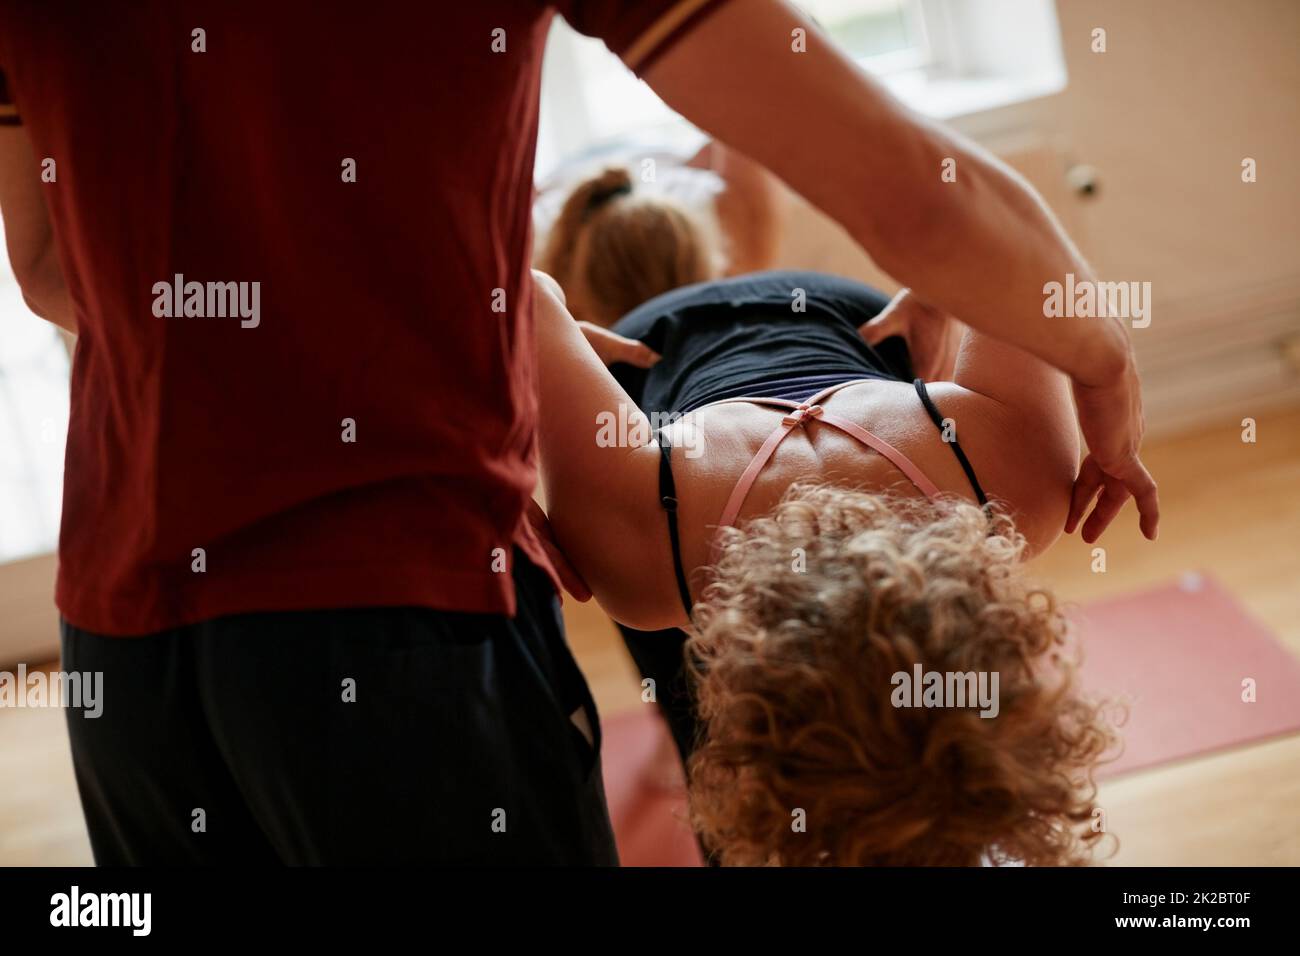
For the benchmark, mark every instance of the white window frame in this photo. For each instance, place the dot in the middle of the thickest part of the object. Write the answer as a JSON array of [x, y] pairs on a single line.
[[919, 57]]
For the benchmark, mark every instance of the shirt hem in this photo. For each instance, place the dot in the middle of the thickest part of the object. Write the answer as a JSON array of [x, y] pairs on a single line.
[[324, 589]]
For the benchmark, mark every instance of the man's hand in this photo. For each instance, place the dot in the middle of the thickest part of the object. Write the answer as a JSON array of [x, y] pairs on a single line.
[[1110, 416], [932, 335]]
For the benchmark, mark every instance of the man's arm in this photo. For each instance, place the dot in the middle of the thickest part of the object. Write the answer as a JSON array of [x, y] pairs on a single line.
[[981, 247], [28, 235]]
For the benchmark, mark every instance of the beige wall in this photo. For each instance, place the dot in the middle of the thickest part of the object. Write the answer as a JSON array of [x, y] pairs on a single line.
[[1186, 89]]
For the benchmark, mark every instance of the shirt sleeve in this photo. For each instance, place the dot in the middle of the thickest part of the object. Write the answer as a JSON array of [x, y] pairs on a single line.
[[8, 111], [639, 31]]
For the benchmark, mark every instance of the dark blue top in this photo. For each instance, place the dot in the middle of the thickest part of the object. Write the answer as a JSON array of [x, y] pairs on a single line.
[[742, 336]]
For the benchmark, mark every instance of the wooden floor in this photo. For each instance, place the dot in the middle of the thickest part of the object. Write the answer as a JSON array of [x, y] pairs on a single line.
[[1228, 507]]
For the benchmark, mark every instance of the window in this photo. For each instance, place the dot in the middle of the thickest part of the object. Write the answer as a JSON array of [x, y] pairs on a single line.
[[33, 424], [945, 58], [884, 36]]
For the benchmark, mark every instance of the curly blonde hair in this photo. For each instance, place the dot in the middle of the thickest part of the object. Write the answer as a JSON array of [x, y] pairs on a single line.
[[813, 610]]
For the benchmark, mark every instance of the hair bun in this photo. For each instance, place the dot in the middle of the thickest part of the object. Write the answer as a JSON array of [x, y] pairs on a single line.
[[600, 189]]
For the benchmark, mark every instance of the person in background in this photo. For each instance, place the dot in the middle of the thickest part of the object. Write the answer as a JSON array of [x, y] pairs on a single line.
[[616, 241], [612, 248]]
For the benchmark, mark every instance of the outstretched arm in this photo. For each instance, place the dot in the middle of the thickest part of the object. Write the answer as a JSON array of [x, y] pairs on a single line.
[[599, 466], [981, 247]]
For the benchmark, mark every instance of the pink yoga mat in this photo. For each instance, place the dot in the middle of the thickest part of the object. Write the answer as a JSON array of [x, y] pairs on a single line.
[[649, 815], [1178, 654]]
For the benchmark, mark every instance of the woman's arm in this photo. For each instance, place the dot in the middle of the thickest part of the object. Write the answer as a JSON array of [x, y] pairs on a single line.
[[599, 469], [1027, 444]]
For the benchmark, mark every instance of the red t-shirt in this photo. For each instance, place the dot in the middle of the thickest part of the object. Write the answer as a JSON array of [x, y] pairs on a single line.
[[209, 469]]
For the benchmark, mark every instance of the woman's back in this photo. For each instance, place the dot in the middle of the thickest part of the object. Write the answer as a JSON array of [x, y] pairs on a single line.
[[714, 445], [786, 335]]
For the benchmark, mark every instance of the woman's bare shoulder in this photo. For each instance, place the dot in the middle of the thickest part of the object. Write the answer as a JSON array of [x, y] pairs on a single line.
[[1026, 460]]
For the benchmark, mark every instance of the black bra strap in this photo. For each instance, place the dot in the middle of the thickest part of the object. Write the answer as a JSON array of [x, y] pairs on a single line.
[[668, 498], [937, 418]]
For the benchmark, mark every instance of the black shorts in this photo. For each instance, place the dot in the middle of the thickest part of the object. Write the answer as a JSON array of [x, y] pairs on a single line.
[[368, 735]]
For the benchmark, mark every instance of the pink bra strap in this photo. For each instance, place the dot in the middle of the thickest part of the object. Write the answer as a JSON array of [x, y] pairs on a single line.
[[756, 464], [802, 412]]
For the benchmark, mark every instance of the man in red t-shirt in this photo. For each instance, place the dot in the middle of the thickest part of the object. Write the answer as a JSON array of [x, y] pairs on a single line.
[[294, 247]]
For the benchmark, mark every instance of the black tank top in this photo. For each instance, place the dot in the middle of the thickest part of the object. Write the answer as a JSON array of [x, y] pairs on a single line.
[[781, 334]]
